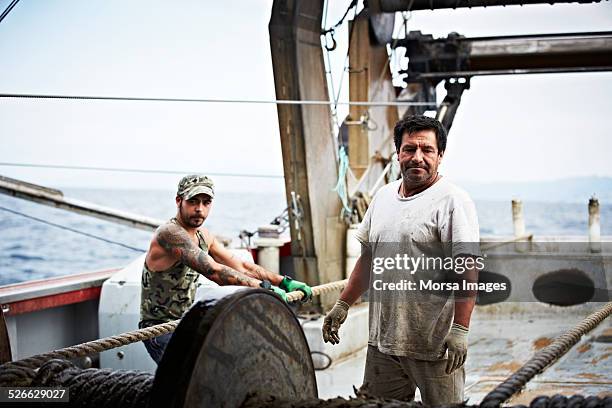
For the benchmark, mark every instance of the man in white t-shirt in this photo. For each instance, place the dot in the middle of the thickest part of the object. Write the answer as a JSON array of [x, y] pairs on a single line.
[[418, 238]]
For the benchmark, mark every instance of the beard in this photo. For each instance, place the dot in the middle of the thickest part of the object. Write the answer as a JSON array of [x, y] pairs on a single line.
[[194, 221], [416, 177]]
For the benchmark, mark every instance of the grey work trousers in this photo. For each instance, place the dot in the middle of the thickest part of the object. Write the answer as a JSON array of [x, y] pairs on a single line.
[[397, 377]]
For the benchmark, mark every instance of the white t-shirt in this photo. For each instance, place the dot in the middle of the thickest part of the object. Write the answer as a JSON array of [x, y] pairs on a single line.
[[438, 223]]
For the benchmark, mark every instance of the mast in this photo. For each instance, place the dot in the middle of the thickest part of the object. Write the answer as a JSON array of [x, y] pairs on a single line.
[[308, 146]]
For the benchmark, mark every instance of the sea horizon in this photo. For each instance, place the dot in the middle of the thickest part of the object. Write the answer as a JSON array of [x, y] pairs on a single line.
[[30, 249]]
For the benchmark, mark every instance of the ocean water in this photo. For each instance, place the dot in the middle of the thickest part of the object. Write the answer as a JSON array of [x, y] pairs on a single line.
[[33, 250]]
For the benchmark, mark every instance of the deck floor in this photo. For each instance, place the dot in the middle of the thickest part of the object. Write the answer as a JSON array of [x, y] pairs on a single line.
[[500, 343]]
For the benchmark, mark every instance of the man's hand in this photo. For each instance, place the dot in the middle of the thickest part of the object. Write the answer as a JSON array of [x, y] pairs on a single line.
[[290, 285], [333, 320], [279, 292], [457, 343]]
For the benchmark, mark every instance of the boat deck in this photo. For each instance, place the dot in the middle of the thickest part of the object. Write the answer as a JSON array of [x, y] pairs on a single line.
[[501, 341]]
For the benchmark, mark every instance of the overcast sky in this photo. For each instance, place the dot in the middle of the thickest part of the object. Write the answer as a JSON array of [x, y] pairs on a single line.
[[521, 128]]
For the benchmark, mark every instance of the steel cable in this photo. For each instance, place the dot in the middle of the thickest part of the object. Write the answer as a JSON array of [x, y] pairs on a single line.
[[128, 170], [248, 101], [63, 227], [8, 9]]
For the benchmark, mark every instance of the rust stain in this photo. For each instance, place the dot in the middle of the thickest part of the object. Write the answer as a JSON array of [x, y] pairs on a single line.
[[542, 342], [600, 358], [607, 332], [511, 366], [585, 347], [590, 376]]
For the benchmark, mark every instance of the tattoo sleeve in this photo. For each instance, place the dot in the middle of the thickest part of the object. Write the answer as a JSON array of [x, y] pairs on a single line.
[[176, 240], [261, 273], [230, 276]]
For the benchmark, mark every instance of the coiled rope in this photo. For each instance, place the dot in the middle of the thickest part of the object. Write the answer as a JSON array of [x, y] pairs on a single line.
[[21, 373], [368, 401], [544, 358], [94, 387], [101, 388]]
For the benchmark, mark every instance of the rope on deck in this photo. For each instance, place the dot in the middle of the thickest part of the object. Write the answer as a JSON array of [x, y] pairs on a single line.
[[544, 358], [99, 388], [556, 401], [23, 371]]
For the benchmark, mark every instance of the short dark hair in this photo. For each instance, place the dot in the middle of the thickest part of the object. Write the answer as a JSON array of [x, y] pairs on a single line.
[[416, 123]]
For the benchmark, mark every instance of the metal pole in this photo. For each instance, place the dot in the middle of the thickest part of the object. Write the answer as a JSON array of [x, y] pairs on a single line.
[[594, 225], [55, 198], [518, 221], [435, 59], [389, 6]]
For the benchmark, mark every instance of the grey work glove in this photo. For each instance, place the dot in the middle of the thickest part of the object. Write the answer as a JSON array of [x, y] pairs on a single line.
[[333, 320], [456, 342]]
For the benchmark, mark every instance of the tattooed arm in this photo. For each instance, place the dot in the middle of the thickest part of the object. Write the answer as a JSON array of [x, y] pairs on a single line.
[[226, 257], [177, 242], [258, 272]]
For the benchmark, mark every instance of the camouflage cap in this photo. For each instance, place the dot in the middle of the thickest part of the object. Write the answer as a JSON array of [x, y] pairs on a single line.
[[194, 184]]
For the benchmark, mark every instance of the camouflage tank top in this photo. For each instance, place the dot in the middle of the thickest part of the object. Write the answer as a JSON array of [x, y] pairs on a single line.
[[166, 295]]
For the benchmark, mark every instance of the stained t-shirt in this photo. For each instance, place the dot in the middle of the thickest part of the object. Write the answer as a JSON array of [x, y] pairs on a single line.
[[438, 223]]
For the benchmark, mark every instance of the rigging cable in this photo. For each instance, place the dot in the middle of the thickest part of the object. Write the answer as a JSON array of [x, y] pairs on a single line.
[[329, 73], [8, 9], [251, 101], [344, 168], [109, 241], [125, 170], [346, 67]]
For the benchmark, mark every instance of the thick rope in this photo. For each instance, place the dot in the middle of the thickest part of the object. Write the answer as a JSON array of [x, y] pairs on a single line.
[[134, 386], [544, 358], [23, 370], [101, 388], [96, 346], [97, 388], [556, 401], [318, 290]]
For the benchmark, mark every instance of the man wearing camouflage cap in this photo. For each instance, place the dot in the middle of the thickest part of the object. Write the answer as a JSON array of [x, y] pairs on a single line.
[[180, 250]]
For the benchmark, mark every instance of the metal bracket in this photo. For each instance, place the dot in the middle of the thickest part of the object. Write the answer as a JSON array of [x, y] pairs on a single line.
[[448, 108]]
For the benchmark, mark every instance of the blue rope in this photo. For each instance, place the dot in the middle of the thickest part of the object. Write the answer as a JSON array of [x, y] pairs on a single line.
[[341, 184]]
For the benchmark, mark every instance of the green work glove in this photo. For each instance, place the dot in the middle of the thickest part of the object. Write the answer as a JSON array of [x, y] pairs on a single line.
[[290, 285], [456, 342], [333, 320], [279, 292]]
